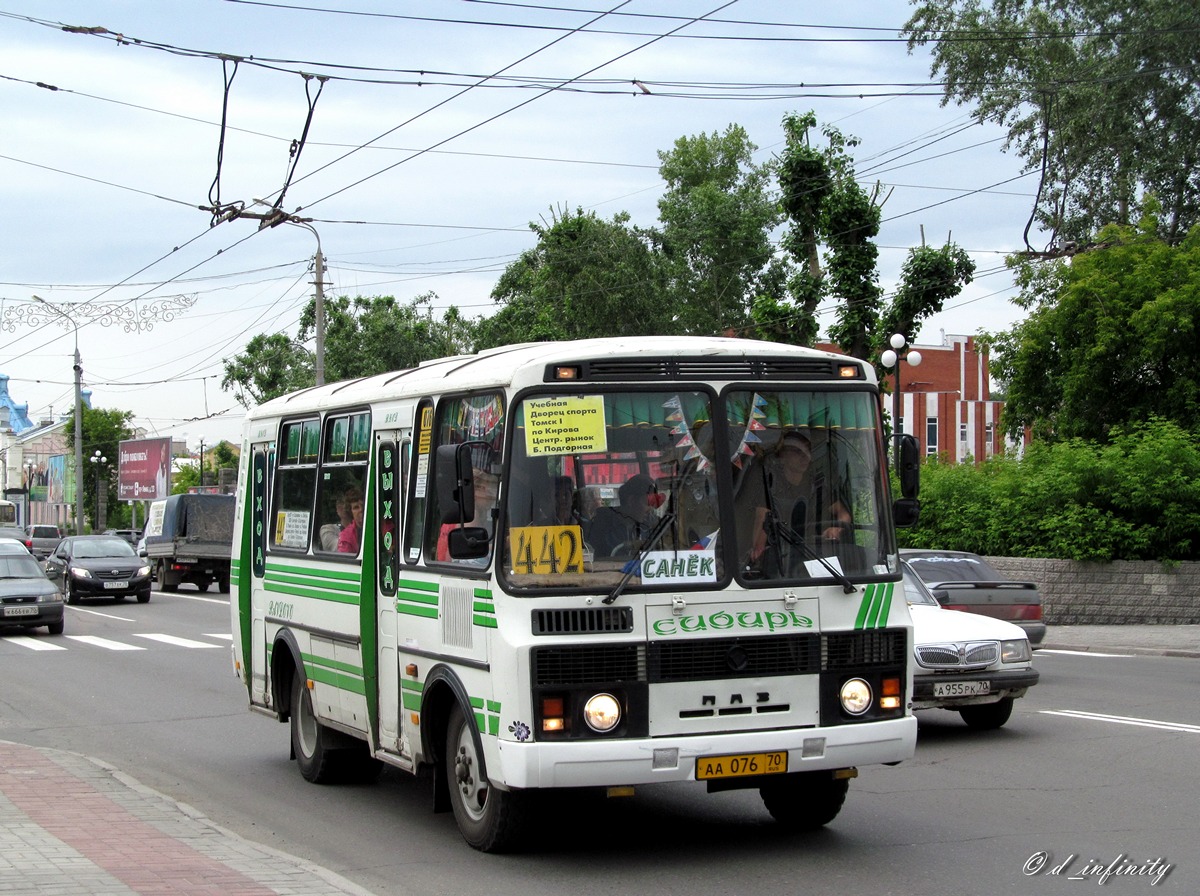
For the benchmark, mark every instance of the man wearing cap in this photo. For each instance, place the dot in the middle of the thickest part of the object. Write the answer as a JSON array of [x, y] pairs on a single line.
[[626, 525], [793, 498]]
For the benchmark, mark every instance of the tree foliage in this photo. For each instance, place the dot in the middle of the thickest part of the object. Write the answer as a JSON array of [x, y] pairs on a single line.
[[833, 224], [585, 277], [716, 217], [103, 430], [363, 336], [1103, 96], [1136, 497], [1110, 338]]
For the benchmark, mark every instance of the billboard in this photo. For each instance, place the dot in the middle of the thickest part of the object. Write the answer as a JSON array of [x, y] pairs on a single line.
[[144, 470]]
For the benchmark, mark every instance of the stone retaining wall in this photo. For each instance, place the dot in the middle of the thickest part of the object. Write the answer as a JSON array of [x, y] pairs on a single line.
[[1123, 592]]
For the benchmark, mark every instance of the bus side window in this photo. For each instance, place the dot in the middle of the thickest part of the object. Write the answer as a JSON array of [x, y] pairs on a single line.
[[296, 485], [416, 502], [342, 487]]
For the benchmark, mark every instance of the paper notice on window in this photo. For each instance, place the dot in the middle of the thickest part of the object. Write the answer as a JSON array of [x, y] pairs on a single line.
[[572, 424]]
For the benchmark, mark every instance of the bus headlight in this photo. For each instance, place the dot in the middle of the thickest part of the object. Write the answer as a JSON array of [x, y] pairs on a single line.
[[855, 696], [602, 712]]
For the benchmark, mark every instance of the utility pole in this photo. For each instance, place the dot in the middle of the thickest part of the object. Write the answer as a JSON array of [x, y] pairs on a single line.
[[319, 365]]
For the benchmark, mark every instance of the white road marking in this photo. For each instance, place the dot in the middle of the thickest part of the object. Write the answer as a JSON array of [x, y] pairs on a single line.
[[104, 642], [224, 636], [1079, 653], [181, 596], [33, 643], [75, 609], [1123, 720], [177, 642]]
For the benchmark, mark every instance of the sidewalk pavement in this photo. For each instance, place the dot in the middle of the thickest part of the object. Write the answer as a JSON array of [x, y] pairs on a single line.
[[73, 826]]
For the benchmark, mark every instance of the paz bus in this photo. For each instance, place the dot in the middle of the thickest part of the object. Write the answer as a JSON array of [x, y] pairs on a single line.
[[586, 564]]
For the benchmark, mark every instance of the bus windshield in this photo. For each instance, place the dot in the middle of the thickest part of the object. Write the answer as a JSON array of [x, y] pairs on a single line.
[[632, 487]]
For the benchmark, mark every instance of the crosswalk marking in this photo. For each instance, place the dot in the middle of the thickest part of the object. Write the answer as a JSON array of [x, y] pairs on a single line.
[[178, 642], [33, 643], [224, 636], [104, 642]]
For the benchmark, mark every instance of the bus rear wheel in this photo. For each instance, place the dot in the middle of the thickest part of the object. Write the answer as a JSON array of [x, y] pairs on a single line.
[[805, 801], [490, 819], [310, 739]]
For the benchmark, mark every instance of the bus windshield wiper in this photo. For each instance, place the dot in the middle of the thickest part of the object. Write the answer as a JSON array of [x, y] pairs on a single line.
[[635, 564], [777, 529]]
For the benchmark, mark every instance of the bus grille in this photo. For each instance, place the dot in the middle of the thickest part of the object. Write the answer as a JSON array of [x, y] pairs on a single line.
[[589, 621], [718, 658]]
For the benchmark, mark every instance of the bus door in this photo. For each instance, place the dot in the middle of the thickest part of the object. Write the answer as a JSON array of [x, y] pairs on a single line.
[[252, 596], [391, 452]]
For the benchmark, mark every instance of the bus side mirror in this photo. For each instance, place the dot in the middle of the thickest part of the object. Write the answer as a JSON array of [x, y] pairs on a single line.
[[468, 543], [905, 512], [909, 466], [455, 483]]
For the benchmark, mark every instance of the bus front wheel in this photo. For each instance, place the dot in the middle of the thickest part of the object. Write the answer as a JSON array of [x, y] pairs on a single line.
[[309, 737], [804, 801], [489, 819]]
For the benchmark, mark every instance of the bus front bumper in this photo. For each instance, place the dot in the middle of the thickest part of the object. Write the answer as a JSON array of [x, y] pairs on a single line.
[[599, 763]]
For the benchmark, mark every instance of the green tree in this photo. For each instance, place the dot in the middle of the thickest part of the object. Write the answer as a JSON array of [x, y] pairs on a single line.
[[103, 430], [363, 336], [830, 214], [716, 216], [1110, 338], [1103, 97], [585, 277]]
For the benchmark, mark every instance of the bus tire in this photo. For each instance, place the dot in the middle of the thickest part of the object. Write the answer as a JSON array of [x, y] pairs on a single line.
[[488, 818], [310, 739], [804, 801]]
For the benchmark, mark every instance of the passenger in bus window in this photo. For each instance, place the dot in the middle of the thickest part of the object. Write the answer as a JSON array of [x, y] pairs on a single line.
[[331, 532], [795, 502], [351, 536], [616, 531], [486, 487]]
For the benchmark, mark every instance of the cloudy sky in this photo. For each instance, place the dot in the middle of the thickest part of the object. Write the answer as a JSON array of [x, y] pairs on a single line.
[[438, 130]]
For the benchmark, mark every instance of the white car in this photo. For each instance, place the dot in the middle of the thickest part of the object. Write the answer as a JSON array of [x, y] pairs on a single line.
[[970, 664]]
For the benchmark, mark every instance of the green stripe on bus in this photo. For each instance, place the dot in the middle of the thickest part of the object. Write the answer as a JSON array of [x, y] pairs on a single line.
[[886, 609], [313, 581], [325, 662], [294, 591], [485, 593], [417, 597], [338, 680], [485, 621], [352, 575], [484, 606], [414, 585], [423, 612]]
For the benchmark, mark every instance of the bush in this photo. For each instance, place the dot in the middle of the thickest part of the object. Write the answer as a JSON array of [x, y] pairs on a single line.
[[1134, 497]]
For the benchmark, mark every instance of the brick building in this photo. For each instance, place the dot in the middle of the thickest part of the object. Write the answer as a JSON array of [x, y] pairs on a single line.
[[945, 401]]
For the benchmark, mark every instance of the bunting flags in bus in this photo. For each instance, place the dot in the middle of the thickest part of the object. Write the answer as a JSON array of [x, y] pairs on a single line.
[[758, 411], [675, 416]]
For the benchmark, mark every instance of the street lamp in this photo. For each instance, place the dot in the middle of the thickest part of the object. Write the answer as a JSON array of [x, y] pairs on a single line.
[[99, 460], [892, 358], [78, 415], [30, 469]]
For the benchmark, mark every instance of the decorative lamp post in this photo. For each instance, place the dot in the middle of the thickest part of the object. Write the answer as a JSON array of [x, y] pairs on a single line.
[[892, 358], [30, 470], [99, 460]]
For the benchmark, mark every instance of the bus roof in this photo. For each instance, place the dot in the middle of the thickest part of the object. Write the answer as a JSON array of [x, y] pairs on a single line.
[[524, 364]]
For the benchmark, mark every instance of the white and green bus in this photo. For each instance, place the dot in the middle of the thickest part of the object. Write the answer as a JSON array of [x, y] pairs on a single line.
[[590, 564]]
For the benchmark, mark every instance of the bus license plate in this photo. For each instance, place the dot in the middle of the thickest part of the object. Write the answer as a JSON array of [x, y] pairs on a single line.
[[741, 765], [20, 611], [962, 689], [115, 585]]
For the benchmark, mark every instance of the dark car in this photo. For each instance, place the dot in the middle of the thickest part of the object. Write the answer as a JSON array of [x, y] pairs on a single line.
[[26, 598], [963, 581], [98, 566]]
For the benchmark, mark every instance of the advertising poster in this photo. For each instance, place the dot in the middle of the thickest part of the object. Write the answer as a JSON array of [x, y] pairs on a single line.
[[144, 470]]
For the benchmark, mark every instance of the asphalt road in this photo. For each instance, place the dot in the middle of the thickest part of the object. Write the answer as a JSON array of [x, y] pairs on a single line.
[[1096, 772]]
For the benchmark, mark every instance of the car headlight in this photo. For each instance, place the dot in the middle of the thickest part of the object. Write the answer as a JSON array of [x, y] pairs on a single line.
[[1015, 651], [602, 712], [855, 696], [143, 571], [49, 598], [81, 573]]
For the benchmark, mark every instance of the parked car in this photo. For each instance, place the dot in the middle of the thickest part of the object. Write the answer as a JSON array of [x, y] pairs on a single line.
[[970, 664], [130, 535], [963, 581], [26, 597], [98, 566], [42, 539]]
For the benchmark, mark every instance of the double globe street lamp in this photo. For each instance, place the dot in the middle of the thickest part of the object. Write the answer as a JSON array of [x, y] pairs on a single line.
[[900, 351], [98, 460]]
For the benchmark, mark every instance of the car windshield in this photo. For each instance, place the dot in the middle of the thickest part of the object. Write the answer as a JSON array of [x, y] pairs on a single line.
[[954, 569], [20, 568], [915, 591], [101, 547]]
